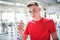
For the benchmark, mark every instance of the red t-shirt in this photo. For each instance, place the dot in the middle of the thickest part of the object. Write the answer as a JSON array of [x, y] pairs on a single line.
[[40, 30]]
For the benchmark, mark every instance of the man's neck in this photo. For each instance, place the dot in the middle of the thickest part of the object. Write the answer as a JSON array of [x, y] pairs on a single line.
[[38, 18]]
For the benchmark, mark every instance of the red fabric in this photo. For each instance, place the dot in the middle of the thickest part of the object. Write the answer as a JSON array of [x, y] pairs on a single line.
[[40, 30]]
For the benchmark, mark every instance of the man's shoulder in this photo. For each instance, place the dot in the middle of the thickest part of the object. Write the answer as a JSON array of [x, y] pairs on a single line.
[[31, 21], [47, 20]]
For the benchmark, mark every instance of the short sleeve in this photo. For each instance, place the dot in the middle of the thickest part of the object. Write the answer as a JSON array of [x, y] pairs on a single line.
[[52, 27], [26, 31]]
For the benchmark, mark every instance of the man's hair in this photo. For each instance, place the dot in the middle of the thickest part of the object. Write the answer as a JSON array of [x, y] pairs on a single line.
[[32, 3]]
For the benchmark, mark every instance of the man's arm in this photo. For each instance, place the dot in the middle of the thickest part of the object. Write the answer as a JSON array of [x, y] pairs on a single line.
[[54, 36], [23, 36]]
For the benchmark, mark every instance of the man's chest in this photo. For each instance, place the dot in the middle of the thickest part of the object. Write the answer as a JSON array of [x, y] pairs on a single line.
[[37, 27]]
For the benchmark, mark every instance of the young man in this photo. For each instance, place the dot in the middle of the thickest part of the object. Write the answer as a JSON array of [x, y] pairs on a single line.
[[39, 28]]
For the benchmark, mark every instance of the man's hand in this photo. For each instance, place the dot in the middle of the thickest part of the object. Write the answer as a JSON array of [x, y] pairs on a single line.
[[20, 29], [20, 26]]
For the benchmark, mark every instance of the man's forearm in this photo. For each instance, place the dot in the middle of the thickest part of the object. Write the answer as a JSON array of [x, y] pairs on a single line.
[[54, 36], [55, 39], [22, 36]]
